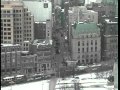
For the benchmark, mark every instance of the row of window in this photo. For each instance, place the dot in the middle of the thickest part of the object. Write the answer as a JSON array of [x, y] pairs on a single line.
[[7, 33], [11, 49], [6, 29], [7, 37], [87, 49], [87, 56], [5, 11], [5, 24], [83, 43], [5, 20], [88, 61]]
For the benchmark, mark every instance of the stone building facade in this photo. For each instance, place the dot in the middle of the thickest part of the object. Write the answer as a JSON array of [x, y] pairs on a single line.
[[85, 43]]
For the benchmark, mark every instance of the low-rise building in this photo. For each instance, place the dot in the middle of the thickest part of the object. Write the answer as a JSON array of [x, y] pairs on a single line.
[[10, 59], [45, 55], [85, 43], [28, 63]]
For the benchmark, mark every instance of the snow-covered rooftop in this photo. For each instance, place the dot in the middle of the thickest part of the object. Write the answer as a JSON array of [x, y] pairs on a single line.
[[109, 21], [10, 45]]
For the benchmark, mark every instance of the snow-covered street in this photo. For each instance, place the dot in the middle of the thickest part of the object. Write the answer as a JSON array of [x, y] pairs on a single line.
[[91, 81], [39, 85]]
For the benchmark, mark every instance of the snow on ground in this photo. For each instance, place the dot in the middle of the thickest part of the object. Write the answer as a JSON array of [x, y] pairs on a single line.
[[91, 81], [39, 85]]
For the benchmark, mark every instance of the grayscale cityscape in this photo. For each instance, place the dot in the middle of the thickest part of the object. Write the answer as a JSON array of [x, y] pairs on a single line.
[[59, 44]]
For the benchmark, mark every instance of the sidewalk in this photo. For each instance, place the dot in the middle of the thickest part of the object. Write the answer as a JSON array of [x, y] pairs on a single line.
[[52, 83]]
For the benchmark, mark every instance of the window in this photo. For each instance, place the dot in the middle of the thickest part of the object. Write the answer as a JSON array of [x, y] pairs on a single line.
[[95, 55], [5, 33], [95, 48], [91, 60], [8, 20], [82, 61], [91, 55], [95, 60], [91, 42], [83, 43], [9, 37], [83, 50], [8, 11], [87, 49], [16, 10], [8, 24], [45, 5], [5, 37], [95, 42], [83, 56], [91, 49], [9, 29], [78, 50], [86, 60], [4, 11], [9, 33], [78, 43], [87, 43]]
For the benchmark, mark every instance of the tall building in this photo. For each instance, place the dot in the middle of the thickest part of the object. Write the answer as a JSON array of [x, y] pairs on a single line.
[[17, 23], [43, 20], [85, 43], [41, 10], [109, 39]]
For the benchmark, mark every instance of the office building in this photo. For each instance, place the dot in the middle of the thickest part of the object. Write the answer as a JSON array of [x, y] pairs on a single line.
[[85, 43], [16, 23]]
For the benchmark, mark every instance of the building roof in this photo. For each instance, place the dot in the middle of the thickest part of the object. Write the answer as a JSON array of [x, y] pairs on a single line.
[[42, 42], [110, 22], [82, 28], [6, 45], [37, 9]]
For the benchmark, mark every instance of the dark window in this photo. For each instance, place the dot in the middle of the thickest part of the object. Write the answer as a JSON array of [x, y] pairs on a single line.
[[91, 49], [83, 50], [45, 5], [83, 56], [91, 42], [78, 50], [87, 49], [9, 37], [9, 33], [83, 43], [86, 60], [95, 48], [5, 33], [8, 11], [5, 37], [95, 55], [9, 29], [91, 55], [95, 42], [87, 43], [8, 20], [78, 43], [8, 24]]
